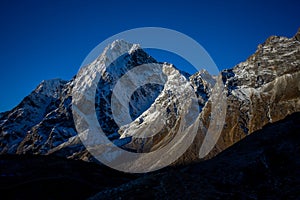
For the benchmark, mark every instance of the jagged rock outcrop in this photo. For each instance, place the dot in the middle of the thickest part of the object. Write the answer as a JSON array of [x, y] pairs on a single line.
[[263, 89]]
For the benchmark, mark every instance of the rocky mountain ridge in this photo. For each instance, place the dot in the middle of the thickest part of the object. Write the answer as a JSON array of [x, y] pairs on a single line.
[[263, 89]]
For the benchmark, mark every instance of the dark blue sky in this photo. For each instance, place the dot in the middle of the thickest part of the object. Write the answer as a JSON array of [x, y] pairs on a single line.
[[49, 39]]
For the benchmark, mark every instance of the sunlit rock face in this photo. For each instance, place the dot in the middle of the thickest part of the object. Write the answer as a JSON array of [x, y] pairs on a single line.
[[263, 89]]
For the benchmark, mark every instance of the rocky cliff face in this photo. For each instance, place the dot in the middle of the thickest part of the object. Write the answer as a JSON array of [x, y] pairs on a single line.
[[263, 89]]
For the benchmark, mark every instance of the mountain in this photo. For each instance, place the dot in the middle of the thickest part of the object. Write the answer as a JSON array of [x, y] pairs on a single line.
[[32, 123], [263, 89]]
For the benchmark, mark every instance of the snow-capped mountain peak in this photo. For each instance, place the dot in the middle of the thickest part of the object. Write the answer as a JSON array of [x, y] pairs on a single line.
[[116, 49], [50, 87]]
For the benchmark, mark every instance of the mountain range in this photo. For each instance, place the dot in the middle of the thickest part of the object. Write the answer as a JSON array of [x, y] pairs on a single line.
[[263, 89]]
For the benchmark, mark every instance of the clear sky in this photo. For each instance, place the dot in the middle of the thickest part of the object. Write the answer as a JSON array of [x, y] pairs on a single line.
[[49, 39]]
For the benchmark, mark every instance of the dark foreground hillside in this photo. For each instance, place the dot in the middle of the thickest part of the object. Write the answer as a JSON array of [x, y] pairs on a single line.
[[48, 177], [264, 165]]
